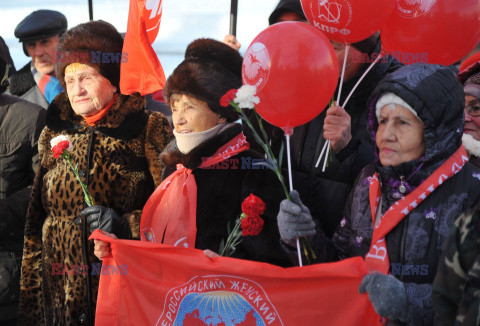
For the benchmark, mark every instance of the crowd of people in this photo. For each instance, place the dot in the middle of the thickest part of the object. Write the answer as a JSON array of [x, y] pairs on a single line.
[[401, 190]]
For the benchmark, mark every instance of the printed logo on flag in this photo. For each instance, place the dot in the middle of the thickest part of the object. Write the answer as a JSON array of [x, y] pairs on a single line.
[[218, 300], [149, 234], [256, 67], [413, 8], [331, 16], [152, 22]]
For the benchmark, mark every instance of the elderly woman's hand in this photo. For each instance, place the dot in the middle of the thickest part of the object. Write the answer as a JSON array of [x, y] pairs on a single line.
[[210, 254], [387, 295], [102, 248], [294, 220]]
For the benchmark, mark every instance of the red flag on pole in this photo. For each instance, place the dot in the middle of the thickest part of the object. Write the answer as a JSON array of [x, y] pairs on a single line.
[[142, 72], [153, 284]]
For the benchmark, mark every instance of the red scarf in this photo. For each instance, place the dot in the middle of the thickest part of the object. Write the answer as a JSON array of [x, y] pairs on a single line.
[[93, 119], [377, 257], [171, 211]]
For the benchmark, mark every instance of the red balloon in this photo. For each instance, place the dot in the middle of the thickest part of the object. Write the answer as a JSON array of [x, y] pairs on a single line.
[[294, 67], [347, 21], [432, 31]]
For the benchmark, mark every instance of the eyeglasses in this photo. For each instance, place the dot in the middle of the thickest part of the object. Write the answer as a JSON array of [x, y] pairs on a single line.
[[473, 109]]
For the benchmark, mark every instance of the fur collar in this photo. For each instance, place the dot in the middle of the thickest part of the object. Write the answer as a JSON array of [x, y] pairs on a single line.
[[21, 81], [172, 156], [471, 145], [125, 119]]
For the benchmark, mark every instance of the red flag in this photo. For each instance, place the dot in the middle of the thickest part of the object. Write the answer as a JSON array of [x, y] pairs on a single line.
[[153, 284], [141, 70]]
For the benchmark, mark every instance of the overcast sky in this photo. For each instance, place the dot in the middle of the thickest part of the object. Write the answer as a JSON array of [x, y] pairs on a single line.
[[182, 22]]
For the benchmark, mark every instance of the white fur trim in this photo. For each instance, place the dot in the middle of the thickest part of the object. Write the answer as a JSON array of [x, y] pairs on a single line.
[[471, 145], [390, 98]]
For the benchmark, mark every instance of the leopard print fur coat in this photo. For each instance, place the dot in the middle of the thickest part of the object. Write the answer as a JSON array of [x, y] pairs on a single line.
[[118, 159]]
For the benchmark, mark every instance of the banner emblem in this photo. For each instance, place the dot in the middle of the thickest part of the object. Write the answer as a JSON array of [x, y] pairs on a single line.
[[218, 300]]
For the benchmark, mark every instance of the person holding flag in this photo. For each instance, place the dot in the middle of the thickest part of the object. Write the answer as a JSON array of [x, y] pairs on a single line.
[[403, 205], [114, 145], [209, 167]]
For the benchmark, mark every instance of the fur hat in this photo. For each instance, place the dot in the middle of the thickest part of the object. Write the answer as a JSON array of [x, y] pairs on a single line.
[[210, 70], [97, 44]]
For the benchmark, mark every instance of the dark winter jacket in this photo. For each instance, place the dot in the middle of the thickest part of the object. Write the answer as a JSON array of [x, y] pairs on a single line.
[[456, 290], [415, 244], [325, 193], [118, 160], [221, 191], [20, 123], [23, 85]]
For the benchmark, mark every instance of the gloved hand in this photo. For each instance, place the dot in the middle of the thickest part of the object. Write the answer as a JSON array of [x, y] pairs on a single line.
[[294, 220], [387, 295], [105, 219]]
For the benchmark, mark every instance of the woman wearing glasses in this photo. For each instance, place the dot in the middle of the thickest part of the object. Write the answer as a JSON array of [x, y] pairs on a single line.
[[470, 78]]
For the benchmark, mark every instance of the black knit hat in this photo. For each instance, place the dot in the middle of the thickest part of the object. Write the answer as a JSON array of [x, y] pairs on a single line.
[[97, 44], [284, 6], [367, 45], [210, 70], [40, 24]]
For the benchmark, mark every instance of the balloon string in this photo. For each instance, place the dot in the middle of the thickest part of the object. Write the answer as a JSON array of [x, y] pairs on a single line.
[[326, 156], [327, 143], [287, 136], [360, 80], [342, 76], [347, 48]]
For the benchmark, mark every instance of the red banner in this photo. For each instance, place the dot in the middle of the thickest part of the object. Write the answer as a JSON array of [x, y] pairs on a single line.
[[142, 72], [153, 284]]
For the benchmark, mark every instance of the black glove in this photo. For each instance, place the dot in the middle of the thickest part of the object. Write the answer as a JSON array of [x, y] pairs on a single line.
[[107, 220], [387, 295], [294, 220]]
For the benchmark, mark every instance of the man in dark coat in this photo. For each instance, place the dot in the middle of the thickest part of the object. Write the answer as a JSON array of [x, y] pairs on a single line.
[[325, 193], [20, 123], [39, 32]]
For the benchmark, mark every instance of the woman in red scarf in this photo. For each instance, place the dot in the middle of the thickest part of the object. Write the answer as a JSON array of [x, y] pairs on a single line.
[[403, 205], [209, 168]]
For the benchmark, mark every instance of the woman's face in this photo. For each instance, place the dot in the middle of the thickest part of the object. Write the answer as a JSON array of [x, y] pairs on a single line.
[[192, 115], [472, 124], [399, 136], [88, 91]]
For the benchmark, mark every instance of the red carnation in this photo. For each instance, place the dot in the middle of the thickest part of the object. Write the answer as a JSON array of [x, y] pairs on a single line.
[[253, 206], [59, 148], [228, 97], [251, 225]]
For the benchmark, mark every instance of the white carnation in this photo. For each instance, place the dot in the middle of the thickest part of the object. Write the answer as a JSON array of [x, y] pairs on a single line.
[[471, 145], [246, 98], [59, 139]]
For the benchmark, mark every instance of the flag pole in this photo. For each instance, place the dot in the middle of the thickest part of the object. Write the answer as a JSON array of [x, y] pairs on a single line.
[[90, 9], [233, 17]]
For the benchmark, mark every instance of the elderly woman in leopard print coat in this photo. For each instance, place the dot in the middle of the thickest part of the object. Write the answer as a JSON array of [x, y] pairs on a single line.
[[116, 144]]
